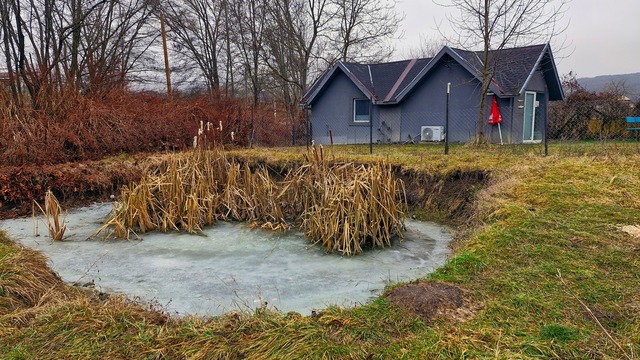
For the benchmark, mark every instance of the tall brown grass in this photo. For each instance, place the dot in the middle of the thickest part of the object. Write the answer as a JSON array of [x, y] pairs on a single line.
[[346, 207], [26, 280]]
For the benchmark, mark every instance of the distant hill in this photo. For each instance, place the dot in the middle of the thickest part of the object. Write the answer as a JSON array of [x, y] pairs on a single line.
[[596, 84]]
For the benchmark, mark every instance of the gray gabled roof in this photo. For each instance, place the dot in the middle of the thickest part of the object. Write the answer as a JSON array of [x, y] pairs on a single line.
[[377, 81], [513, 68], [391, 82]]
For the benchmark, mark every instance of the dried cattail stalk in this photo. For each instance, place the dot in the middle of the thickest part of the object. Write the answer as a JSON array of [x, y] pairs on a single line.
[[52, 212]]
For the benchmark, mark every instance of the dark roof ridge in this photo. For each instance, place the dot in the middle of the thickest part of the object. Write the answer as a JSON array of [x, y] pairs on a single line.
[[388, 62], [505, 48]]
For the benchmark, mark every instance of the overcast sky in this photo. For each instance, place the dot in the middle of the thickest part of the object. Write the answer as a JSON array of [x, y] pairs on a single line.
[[602, 38]]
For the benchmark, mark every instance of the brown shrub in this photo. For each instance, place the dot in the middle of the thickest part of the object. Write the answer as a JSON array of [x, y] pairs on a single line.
[[75, 127]]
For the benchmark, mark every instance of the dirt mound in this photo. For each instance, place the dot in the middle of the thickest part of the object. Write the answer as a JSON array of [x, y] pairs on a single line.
[[431, 299]]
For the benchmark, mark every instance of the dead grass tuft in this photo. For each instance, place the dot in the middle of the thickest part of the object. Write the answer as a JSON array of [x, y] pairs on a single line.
[[633, 230], [349, 207], [27, 281]]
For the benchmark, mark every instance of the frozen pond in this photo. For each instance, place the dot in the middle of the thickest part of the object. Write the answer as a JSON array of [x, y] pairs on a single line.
[[230, 267]]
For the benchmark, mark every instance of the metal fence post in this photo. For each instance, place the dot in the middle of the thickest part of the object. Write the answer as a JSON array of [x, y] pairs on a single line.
[[371, 127], [545, 138], [446, 121]]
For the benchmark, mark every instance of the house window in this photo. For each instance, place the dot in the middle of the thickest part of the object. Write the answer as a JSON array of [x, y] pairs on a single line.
[[361, 110]]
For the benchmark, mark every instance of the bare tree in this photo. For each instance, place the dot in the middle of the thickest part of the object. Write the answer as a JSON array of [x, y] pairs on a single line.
[[196, 30], [114, 37], [250, 17], [498, 24], [297, 32], [229, 22], [428, 47], [362, 29], [52, 47]]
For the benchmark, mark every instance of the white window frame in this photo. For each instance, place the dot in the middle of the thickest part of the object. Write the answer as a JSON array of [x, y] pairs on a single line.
[[358, 121], [531, 138]]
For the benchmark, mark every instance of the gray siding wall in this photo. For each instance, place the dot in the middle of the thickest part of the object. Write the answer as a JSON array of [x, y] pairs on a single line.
[[333, 110], [536, 83], [426, 105], [390, 129]]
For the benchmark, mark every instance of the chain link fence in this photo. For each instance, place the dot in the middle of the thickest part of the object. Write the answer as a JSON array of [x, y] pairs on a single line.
[[570, 129]]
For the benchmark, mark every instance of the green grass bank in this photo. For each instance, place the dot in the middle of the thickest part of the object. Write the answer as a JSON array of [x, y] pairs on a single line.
[[547, 245]]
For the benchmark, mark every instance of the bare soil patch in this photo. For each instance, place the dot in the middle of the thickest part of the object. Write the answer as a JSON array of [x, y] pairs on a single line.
[[432, 299], [633, 230]]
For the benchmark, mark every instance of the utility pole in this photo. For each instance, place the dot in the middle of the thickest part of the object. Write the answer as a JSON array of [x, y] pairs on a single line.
[[166, 58]]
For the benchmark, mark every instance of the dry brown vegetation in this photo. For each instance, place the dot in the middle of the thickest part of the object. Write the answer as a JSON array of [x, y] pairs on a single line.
[[72, 183], [344, 206], [349, 206], [77, 127], [27, 281], [53, 213]]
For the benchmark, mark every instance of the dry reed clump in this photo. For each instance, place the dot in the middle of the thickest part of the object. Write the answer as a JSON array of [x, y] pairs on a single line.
[[195, 189], [52, 212], [349, 207], [346, 207]]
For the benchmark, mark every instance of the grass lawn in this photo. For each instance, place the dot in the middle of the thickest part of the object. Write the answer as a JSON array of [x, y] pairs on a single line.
[[548, 249]]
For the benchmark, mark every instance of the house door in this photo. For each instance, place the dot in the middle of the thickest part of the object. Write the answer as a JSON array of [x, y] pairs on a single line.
[[532, 126]]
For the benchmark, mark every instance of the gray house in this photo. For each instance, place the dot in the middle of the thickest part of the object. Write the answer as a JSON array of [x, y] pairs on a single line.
[[407, 100]]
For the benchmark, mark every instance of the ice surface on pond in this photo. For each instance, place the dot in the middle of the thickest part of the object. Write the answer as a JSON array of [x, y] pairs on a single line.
[[230, 267]]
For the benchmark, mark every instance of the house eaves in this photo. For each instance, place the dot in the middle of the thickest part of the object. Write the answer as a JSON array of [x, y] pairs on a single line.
[[493, 86], [405, 72], [314, 91], [533, 70], [403, 93], [556, 79]]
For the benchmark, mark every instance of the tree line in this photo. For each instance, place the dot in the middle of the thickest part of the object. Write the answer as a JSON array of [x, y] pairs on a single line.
[[254, 49]]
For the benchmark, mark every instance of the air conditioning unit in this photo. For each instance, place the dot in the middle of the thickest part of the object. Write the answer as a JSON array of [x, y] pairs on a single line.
[[432, 133]]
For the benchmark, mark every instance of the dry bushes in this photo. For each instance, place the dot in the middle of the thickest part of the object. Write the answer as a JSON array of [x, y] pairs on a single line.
[[77, 127], [195, 189], [72, 183], [346, 207]]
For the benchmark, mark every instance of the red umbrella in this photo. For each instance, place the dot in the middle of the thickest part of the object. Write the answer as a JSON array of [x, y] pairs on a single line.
[[494, 116]]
